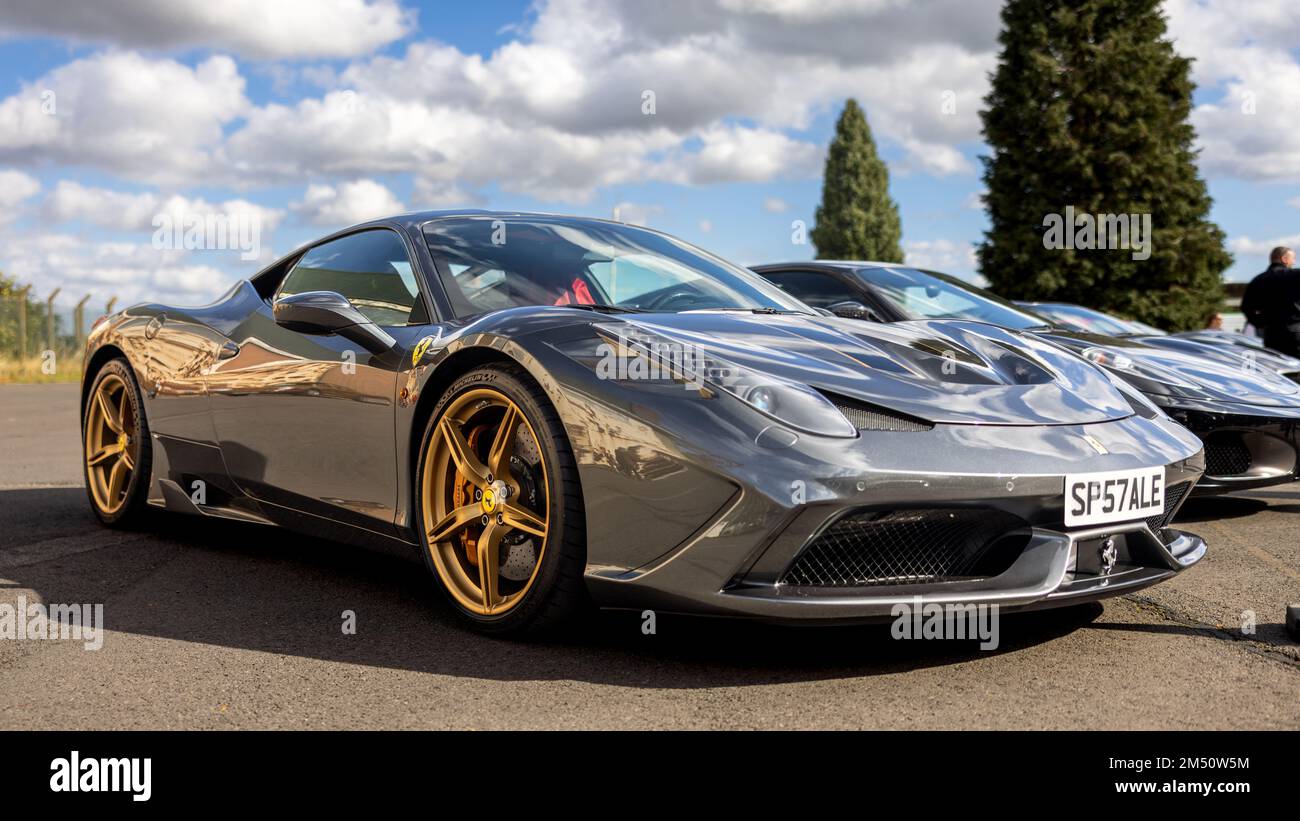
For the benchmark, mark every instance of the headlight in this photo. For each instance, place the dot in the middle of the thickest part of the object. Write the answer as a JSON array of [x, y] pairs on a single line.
[[1109, 359], [1141, 369], [790, 403]]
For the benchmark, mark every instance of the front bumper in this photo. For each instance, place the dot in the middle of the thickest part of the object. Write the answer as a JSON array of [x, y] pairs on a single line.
[[1047, 574], [1246, 446], [737, 562]]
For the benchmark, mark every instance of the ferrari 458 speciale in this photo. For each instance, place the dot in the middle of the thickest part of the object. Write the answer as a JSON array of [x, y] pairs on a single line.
[[553, 411]]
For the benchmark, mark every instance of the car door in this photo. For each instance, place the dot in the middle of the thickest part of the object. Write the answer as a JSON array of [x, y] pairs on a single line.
[[306, 421]]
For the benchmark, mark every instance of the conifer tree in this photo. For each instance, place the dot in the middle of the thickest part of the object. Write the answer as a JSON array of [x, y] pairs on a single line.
[[1089, 108], [856, 218]]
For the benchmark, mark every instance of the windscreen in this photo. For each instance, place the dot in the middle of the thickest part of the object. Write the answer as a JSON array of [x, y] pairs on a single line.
[[490, 263]]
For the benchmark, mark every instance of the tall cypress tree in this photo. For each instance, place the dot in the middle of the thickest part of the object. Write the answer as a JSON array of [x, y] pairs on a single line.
[[1089, 108], [856, 218]]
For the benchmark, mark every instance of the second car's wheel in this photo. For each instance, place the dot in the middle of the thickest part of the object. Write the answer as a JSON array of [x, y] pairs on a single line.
[[499, 508], [115, 439]]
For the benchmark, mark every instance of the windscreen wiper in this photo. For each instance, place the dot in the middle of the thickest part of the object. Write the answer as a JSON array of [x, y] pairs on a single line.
[[764, 310], [612, 309]]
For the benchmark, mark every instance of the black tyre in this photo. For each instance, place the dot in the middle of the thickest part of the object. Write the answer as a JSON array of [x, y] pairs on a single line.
[[117, 454], [499, 507]]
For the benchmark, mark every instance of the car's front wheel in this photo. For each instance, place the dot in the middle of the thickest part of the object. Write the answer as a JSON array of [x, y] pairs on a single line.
[[499, 508], [116, 447]]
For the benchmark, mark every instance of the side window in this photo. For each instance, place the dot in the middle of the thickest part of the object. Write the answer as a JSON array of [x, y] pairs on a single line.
[[818, 290], [371, 269]]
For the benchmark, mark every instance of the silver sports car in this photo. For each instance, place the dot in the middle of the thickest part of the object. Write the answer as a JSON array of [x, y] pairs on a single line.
[[1236, 350], [552, 410], [1248, 416]]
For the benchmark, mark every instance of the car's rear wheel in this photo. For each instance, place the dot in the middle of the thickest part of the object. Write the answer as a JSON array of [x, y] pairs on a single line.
[[499, 509], [116, 450]]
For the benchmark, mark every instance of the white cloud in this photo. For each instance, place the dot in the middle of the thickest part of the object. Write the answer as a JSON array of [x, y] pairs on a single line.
[[434, 194], [73, 202], [775, 205], [1249, 132], [741, 154], [155, 120], [15, 188], [634, 214], [126, 211], [1244, 52], [347, 204], [556, 114], [582, 67], [1253, 253], [940, 255], [260, 29], [133, 272]]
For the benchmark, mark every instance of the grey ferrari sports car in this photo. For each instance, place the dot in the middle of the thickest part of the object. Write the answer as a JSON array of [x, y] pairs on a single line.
[[553, 410], [1236, 350], [1246, 414]]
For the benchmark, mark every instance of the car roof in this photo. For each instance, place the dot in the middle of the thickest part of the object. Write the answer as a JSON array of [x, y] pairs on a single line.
[[414, 219], [839, 264]]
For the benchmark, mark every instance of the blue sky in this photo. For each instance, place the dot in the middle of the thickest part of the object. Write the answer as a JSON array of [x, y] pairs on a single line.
[[308, 116]]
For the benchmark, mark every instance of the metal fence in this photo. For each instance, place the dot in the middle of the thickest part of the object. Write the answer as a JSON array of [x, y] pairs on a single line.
[[31, 323]]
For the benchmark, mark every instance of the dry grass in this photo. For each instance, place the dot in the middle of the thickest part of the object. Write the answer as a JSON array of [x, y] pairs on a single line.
[[18, 371]]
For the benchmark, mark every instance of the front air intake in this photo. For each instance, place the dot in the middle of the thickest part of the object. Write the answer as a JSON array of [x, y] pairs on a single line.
[[1173, 496], [910, 547], [1226, 454]]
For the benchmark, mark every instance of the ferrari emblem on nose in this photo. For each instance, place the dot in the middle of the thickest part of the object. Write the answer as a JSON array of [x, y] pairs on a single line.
[[1095, 443], [1109, 555]]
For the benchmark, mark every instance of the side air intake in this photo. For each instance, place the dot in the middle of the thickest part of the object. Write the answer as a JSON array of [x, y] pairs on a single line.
[[871, 417]]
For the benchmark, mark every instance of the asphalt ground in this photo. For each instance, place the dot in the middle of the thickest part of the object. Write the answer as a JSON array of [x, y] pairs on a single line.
[[214, 624]]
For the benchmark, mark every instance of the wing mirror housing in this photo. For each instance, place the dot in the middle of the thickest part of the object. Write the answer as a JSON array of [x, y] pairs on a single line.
[[849, 309], [328, 312]]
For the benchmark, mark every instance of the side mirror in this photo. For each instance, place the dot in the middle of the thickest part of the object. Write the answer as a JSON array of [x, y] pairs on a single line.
[[327, 312], [850, 309]]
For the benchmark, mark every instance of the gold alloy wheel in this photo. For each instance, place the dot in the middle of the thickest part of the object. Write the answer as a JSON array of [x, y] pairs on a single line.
[[112, 444], [477, 505]]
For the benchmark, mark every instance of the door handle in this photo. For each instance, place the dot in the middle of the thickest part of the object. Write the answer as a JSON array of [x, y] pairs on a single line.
[[229, 350]]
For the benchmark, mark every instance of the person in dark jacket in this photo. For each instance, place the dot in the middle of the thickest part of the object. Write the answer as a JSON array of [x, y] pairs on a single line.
[[1272, 303]]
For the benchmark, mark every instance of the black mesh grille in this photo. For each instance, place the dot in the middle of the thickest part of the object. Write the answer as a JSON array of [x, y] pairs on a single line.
[[1173, 495], [1226, 455], [869, 417], [908, 547]]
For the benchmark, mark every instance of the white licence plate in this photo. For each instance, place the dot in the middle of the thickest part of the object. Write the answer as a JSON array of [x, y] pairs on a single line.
[[1113, 496]]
